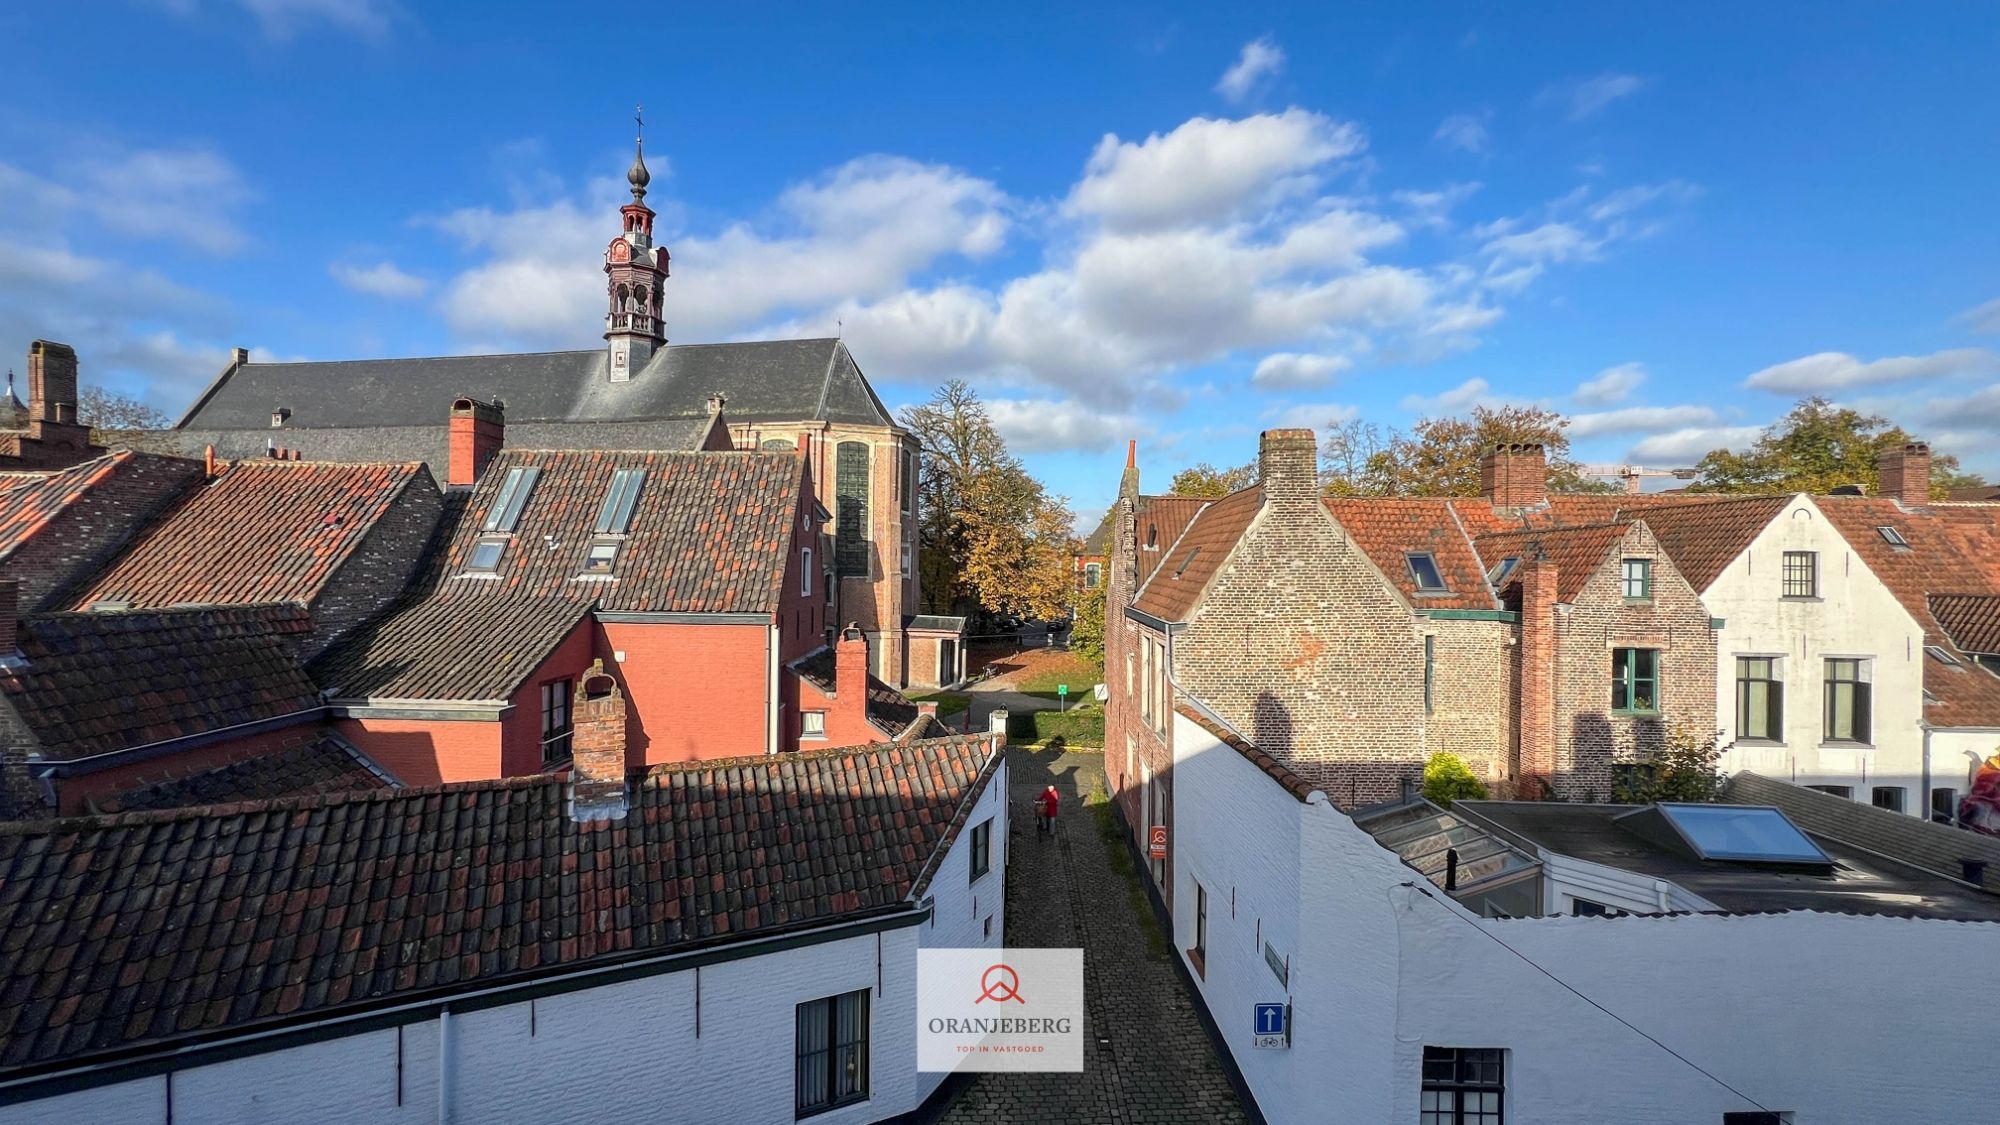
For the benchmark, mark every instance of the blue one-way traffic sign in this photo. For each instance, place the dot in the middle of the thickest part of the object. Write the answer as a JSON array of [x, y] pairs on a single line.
[[1271, 1029]]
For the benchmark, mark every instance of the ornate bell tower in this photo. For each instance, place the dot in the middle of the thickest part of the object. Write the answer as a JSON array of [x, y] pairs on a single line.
[[635, 271]]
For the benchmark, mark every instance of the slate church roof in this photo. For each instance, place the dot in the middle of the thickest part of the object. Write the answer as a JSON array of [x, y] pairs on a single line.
[[395, 409], [151, 929]]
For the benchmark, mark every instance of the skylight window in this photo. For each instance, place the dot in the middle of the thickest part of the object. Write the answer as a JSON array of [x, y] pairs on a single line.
[[513, 497], [1424, 568], [486, 556], [1742, 833], [1500, 572], [602, 557], [1186, 562], [1942, 655], [1893, 537], [615, 518]]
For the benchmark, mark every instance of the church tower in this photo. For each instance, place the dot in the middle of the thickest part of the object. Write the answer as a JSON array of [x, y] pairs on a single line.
[[635, 271]]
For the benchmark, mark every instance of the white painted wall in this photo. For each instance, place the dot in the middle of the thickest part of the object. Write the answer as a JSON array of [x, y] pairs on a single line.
[[1382, 968], [1854, 616], [621, 1052]]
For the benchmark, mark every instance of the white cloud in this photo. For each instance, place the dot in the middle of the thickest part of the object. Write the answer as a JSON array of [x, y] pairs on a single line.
[[1433, 208], [284, 19], [183, 195], [1626, 200], [1465, 396], [1550, 242], [1260, 59], [1640, 420], [1985, 318], [1829, 371], [1290, 369], [1209, 170], [1312, 415], [1682, 448], [1611, 385], [1463, 131], [383, 279], [1046, 426], [1588, 97]]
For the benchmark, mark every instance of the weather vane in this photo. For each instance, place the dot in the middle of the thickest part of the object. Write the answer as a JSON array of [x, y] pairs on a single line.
[[639, 115]]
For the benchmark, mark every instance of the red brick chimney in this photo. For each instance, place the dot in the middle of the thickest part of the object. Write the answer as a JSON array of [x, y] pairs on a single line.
[[1905, 473], [1288, 467], [1515, 475], [850, 676], [10, 617], [478, 430], [51, 383], [597, 747], [1537, 656]]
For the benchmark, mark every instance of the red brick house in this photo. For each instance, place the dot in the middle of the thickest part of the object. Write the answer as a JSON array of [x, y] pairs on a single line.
[[54, 438], [1536, 636]]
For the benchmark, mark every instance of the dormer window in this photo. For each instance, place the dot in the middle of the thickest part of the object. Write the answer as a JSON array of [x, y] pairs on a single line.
[[615, 517], [486, 556], [1424, 570], [513, 497], [1893, 537]]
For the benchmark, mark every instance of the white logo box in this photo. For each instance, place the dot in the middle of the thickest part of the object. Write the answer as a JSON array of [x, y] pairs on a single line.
[[1000, 1010]]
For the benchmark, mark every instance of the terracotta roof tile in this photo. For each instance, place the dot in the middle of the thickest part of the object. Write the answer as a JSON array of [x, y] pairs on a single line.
[[97, 682], [1972, 621], [443, 649], [1161, 521], [1704, 538], [1273, 768], [371, 896], [1389, 530], [326, 764], [1577, 552], [889, 710], [262, 531], [1184, 569]]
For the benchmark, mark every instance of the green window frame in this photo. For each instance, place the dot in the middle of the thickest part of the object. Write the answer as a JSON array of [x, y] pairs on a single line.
[[1638, 575], [1635, 681], [1849, 701]]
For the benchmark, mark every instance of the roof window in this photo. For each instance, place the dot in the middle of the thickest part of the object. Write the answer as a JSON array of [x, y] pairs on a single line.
[[486, 556], [1733, 833], [1186, 562], [1502, 570], [602, 556], [513, 497], [1942, 655], [615, 518], [1893, 537], [1424, 569]]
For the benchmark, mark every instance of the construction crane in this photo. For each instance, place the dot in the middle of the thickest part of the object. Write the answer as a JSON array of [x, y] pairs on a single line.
[[1632, 474]]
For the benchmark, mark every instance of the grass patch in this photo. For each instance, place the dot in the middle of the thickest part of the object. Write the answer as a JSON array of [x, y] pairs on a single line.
[[1052, 668], [1111, 835], [949, 702]]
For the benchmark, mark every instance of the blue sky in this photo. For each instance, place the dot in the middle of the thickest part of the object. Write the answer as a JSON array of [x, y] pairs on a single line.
[[1180, 226]]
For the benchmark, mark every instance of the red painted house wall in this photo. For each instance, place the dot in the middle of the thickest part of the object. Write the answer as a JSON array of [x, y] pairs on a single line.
[[691, 691], [521, 730], [428, 751]]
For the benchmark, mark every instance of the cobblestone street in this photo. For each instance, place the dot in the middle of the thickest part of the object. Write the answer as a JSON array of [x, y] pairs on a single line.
[[1146, 1058]]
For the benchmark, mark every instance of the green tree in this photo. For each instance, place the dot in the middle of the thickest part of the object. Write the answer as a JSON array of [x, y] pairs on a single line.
[[1204, 479], [1086, 634], [1447, 778], [1683, 770], [1818, 447], [1440, 456], [990, 535]]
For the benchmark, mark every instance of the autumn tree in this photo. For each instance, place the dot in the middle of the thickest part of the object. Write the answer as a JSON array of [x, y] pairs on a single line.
[[1440, 456], [107, 410], [1344, 454], [1818, 447], [1204, 479], [990, 535], [1086, 634]]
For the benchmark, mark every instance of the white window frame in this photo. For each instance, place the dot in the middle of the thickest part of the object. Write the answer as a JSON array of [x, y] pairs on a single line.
[[812, 724], [806, 571]]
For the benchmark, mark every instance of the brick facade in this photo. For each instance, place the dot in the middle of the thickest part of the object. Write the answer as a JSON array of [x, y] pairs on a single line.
[[378, 571], [87, 534]]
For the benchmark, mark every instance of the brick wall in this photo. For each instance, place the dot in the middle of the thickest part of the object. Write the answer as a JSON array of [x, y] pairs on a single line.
[[1589, 737], [1472, 695], [88, 535], [379, 570]]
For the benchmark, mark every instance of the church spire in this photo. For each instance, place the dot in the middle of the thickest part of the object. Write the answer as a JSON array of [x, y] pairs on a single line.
[[635, 271]]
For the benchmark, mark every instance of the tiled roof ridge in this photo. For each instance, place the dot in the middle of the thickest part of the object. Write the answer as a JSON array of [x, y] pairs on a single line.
[[652, 774], [995, 755], [1273, 768], [77, 480], [1561, 529], [249, 611]]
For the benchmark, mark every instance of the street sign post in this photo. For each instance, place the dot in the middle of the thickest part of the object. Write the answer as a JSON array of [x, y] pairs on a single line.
[[1062, 696], [1273, 1029]]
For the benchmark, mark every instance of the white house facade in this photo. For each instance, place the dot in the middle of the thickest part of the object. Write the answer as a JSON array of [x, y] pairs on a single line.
[[1404, 1006]]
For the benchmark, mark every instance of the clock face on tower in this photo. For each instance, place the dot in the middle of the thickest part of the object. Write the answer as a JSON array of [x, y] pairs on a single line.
[[620, 251]]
